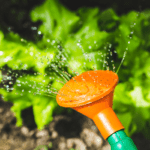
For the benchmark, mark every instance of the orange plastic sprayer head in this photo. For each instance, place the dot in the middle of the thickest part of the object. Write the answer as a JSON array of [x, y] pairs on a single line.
[[91, 94]]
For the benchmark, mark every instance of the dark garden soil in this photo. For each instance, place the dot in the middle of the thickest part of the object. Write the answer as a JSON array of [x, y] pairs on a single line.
[[66, 131]]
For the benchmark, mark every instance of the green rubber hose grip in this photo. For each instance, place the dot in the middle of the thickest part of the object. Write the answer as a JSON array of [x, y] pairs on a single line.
[[120, 141]]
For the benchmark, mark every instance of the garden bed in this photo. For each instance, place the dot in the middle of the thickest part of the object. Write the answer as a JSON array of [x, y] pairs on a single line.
[[66, 131]]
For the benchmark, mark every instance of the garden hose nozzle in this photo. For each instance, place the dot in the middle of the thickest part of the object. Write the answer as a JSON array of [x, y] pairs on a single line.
[[91, 93]]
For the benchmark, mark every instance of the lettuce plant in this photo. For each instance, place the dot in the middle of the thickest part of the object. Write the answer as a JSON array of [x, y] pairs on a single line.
[[74, 42], [132, 94]]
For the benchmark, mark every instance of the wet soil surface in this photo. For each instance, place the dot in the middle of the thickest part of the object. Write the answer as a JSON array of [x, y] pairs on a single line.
[[65, 132]]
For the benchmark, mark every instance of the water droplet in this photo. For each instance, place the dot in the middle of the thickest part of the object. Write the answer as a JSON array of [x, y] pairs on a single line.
[[1, 53], [53, 42], [128, 42], [7, 86], [31, 53], [51, 56], [9, 78], [90, 47], [48, 40], [33, 28], [10, 82], [18, 81], [9, 28], [39, 32], [8, 58], [132, 32], [25, 66]]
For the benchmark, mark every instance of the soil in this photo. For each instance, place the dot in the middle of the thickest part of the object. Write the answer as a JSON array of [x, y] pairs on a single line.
[[65, 132]]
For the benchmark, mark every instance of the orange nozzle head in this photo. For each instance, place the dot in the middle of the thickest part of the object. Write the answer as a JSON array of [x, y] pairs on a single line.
[[88, 87], [91, 94]]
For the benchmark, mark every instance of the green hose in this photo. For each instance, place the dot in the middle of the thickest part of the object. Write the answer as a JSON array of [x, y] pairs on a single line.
[[120, 141]]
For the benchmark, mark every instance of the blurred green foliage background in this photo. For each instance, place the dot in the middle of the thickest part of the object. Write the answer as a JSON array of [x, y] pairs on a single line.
[[63, 43]]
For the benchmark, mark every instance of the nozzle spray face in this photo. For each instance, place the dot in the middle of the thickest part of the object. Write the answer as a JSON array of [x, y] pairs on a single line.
[[86, 88], [91, 94]]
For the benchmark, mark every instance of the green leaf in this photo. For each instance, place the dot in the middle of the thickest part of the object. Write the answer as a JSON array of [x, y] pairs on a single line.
[[43, 111], [108, 20], [32, 91], [19, 105], [88, 14], [1, 77], [122, 94], [126, 119], [1, 37], [58, 22], [23, 56], [108, 15], [137, 97]]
